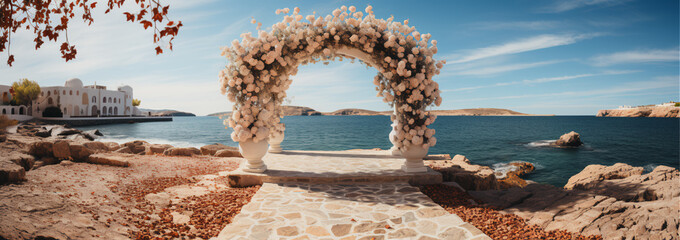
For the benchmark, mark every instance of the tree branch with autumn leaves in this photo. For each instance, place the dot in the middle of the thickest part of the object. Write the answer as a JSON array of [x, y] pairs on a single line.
[[49, 19]]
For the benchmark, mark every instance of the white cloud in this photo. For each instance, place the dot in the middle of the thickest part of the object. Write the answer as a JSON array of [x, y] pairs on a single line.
[[657, 83], [567, 5], [519, 46], [543, 80], [653, 55], [504, 68], [522, 25]]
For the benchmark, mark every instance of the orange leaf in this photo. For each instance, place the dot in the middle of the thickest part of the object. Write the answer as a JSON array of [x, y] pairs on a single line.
[[171, 23], [159, 50], [146, 24]]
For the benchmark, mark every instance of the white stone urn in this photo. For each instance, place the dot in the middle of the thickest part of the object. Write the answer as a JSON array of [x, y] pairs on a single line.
[[414, 155], [393, 139], [253, 153], [275, 140]]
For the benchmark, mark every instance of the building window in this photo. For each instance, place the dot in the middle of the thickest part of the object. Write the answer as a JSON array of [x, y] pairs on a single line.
[[65, 111], [63, 92], [94, 100], [104, 100], [12, 111], [55, 92], [49, 101], [70, 92], [4, 111], [109, 99], [77, 93], [48, 93], [114, 100]]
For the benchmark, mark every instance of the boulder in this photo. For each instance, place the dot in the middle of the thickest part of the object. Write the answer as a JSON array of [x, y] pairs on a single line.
[[96, 146], [93, 132], [571, 139], [44, 133], [137, 146], [213, 148], [468, 176], [157, 148], [79, 153], [109, 159], [594, 174], [61, 149], [178, 151], [112, 146], [48, 161], [228, 153], [24, 160], [41, 149], [123, 150], [11, 172], [65, 131]]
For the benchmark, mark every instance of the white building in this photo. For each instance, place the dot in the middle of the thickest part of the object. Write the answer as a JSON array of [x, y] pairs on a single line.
[[76, 100]]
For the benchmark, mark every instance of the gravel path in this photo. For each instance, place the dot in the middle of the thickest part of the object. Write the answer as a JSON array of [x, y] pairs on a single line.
[[379, 211]]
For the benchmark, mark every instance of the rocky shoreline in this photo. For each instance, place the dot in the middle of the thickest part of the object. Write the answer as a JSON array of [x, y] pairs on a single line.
[[59, 183], [650, 111]]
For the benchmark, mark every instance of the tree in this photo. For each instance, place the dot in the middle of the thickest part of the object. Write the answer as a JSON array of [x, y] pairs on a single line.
[[25, 91], [136, 102], [38, 16]]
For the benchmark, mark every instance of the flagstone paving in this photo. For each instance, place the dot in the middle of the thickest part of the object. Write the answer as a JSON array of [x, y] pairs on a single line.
[[377, 211]]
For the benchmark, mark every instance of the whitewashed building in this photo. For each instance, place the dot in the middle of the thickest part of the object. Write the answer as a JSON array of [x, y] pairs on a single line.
[[76, 100]]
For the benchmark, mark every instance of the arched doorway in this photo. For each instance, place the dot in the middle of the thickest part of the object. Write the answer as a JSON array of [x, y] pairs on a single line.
[[104, 111], [259, 72], [115, 111], [76, 110], [21, 110], [86, 99], [94, 111]]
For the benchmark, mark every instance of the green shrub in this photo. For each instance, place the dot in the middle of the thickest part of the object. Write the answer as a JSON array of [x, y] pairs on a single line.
[[52, 112], [677, 104]]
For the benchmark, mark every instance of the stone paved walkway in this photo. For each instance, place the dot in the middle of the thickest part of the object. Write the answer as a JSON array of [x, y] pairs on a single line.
[[378, 211]]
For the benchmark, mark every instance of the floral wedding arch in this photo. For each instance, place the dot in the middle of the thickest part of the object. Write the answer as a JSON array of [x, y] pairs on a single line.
[[259, 70]]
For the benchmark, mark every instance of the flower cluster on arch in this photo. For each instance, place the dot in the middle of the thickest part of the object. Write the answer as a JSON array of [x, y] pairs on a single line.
[[259, 69]]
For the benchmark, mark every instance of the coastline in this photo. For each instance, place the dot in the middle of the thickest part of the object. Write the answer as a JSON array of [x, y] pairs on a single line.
[[478, 181]]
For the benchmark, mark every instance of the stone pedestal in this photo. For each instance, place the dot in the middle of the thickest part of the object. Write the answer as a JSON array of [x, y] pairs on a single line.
[[253, 153], [414, 159], [275, 142]]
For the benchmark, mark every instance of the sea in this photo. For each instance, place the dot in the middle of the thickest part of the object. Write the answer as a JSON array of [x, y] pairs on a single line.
[[493, 141]]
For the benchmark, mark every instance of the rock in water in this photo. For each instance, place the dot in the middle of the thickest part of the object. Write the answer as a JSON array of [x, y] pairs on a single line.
[[571, 139]]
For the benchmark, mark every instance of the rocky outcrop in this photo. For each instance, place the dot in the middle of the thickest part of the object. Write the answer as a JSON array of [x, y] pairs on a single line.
[[468, 176], [650, 111], [356, 112], [592, 175], [41, 149], [213, 148], [571, 139], [179, 151], [616, 202], [24, 160]]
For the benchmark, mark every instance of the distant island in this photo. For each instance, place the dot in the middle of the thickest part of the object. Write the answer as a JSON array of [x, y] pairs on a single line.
[[307, 111], [669, 110], [168, 112]]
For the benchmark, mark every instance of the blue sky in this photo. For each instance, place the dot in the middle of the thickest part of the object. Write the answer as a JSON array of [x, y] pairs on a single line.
[[542, 57]]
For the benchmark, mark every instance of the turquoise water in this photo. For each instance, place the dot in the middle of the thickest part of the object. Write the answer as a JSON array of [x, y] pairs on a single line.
[[486, 140]]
